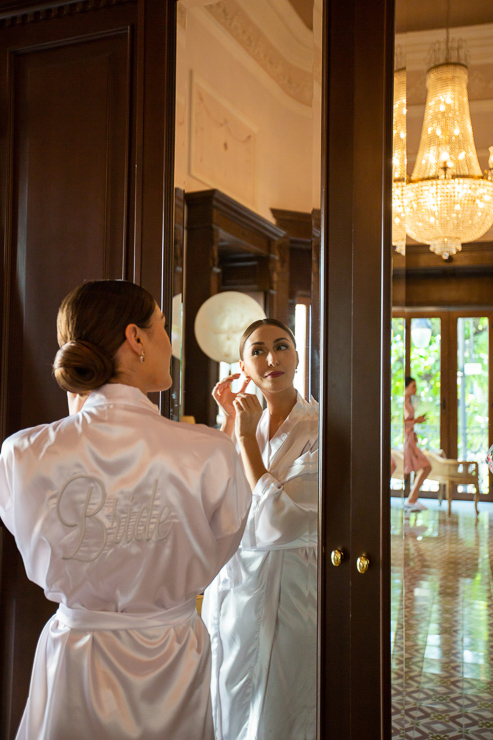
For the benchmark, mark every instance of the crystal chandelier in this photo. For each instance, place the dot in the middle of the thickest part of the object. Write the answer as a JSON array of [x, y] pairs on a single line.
[[399, 162], [447, 200]]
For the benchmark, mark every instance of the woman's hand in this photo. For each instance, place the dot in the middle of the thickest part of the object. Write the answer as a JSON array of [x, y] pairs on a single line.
[[75, 402], [248, 412], [224, 396]]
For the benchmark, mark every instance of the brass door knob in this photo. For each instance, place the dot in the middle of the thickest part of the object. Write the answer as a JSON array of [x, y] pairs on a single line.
[[362, 564], [336, 556]]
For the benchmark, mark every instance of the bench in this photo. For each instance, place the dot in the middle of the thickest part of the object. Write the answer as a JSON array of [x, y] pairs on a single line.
[[450, 473]]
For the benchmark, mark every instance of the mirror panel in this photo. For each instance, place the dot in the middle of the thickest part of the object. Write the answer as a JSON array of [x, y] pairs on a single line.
[[248, 163], [442, 323]]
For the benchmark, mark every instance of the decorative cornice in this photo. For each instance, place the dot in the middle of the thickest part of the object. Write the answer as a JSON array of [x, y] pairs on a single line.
[[416, 44], [295, 82], [21, 13]]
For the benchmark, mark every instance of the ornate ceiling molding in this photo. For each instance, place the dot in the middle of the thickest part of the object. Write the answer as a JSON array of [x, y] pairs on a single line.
[[22, 13], [297, 83], [416, 44]]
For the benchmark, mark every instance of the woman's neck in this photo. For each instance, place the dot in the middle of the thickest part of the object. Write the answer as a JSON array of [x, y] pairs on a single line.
[[280, 406]]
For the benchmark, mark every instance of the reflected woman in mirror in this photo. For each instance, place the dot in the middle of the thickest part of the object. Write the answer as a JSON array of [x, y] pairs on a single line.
[[414, 460], [123, 517], [261, 610]]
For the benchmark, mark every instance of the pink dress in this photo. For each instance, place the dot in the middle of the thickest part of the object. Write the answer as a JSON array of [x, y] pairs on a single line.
[[414, 459]]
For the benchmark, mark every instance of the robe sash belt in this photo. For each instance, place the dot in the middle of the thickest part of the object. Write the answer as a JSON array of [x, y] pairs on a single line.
[[87, 620], [295, 545]]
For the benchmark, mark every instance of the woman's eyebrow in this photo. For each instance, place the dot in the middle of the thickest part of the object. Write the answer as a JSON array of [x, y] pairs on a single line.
[[280, 339]]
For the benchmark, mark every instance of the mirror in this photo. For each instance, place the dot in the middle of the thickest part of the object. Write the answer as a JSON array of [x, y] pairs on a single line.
[[441, 336], [247, 192]]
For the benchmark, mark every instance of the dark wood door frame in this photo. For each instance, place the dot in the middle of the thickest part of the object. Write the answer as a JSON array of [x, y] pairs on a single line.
[[355, 396]]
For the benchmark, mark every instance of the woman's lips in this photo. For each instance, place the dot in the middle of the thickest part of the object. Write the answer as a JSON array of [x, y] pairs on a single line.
[[275, 374]]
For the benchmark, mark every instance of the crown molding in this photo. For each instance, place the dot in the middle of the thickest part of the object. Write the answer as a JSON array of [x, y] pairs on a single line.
[[416, 44], [25, 11], [293, 80]]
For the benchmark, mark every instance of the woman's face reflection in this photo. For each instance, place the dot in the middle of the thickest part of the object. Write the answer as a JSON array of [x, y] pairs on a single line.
[[270, 359]]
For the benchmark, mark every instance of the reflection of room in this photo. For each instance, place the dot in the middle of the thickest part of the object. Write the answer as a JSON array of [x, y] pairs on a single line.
[[441, 335], [247, 100], [455, 294], [103, 155]]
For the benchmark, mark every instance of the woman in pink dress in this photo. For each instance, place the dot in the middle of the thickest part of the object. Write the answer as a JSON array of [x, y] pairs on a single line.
[[414, 460]]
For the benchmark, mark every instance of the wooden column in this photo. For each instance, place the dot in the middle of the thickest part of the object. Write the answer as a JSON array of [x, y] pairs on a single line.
[[355, 393]]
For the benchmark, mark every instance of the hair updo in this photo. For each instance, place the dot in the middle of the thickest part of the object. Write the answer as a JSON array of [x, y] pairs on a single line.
[[91, 327], [264, 322]]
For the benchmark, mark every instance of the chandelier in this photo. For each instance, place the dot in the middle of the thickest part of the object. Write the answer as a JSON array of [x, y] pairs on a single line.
[[399, 162], [447, 200]]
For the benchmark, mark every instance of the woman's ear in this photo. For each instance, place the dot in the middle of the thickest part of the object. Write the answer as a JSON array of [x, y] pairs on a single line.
[[242, 369], [297, 359], [133, 335]]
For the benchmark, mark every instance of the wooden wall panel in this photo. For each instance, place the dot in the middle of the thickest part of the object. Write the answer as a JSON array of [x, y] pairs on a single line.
[[69, 147], [86, 142], [66, 104]]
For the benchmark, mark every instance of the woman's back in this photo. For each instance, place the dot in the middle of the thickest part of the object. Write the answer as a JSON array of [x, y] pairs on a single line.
[[119, 509], [123, 517]]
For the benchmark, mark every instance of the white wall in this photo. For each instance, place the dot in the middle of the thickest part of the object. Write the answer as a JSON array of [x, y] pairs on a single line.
[[237, 129]]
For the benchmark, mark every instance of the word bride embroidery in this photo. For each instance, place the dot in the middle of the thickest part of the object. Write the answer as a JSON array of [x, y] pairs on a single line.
[[128, 523]]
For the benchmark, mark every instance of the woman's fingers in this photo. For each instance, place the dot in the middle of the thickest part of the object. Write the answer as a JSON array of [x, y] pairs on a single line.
[[229, 379], [244, 385], [248, 401], [223, 388], [248, 412]]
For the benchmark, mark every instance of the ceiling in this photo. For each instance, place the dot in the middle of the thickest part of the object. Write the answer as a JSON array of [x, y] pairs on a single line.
[[422, 15]]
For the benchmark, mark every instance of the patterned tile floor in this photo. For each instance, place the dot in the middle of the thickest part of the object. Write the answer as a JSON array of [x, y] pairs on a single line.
[[442, 623]]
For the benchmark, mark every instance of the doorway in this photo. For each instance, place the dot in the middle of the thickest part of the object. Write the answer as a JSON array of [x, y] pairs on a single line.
[[447, 352]]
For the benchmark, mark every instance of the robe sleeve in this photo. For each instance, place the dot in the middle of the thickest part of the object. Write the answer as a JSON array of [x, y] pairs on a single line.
[[227, 499], [6, 498], [285, 511]]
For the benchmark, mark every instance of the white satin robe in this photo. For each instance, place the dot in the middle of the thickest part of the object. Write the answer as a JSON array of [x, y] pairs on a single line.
[[122, 517], [261, 610]]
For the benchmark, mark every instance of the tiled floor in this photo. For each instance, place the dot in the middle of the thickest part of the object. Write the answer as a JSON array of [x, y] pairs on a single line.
[[442, 623]]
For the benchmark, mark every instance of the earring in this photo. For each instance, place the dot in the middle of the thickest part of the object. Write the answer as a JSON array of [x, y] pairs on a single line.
[[142, 358]]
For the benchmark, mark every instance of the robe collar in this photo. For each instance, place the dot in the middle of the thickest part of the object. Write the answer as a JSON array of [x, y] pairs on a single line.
[[270, 448], [117, 393]]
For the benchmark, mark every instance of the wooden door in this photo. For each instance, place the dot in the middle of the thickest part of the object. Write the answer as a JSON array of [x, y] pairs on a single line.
[[354, 621], [85, 93]]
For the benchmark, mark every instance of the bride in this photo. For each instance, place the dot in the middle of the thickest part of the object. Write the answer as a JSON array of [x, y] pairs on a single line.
[[261, 608]]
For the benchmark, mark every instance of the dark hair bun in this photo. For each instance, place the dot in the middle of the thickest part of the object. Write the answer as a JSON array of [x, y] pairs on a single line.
[[81, 367]]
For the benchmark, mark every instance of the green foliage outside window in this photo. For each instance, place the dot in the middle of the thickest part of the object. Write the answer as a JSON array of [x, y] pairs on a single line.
[[425, 369], [472, 388], [397, 384], [472, 392]]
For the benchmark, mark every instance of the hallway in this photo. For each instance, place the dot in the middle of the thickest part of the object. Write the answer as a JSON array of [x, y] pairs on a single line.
[[442, 623]]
